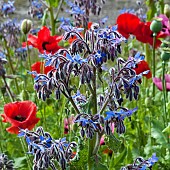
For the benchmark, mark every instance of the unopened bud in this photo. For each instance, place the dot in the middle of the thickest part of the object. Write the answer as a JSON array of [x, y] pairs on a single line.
[[26, 26], [167, 10], [156, 25], [165, 56]]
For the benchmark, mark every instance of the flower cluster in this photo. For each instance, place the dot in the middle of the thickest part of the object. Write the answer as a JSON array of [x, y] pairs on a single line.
[[36, 9], [5, 163], [130, 24], [141, 163], [7, 8], [81, 10], [46, 150], [10, 31]]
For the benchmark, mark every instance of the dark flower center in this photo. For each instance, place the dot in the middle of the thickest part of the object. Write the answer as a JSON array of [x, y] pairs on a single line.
[[44, 44], [19, 118]]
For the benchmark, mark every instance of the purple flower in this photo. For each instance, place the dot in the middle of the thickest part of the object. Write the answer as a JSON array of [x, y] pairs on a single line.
[[166, 26], [158, 82]]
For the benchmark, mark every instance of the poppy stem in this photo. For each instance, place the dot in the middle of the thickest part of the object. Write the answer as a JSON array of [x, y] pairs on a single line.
[[153, 62], [52, 20], [164, 91], [58, 9], [148, 59]]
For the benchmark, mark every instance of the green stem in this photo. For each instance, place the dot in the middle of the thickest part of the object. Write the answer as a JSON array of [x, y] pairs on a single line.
[[74, 105], [58, 9], [28, 159], [8, 89], [148, 59], [161, 3], [153, 62], [94, 141], [11, 66], [52, 20], [94, 92], [164, 91], [9, 57]]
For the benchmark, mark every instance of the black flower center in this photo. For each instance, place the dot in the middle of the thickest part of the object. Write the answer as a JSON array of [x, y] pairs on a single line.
[[44, 44], [19, 118]]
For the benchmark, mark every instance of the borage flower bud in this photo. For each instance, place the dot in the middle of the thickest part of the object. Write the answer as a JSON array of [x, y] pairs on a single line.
[[26, 26], [167, 10], [165, 56], [156, 25]]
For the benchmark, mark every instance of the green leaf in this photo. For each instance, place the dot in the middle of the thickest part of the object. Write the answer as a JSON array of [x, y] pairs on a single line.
[[100, 166], [53, 3], [167, 129], [156, 132], [20, 162], [112, 142], [116, 161]]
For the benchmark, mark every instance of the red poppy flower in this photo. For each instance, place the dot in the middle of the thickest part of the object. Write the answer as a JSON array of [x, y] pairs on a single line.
[[141, 67], [20, 115], [145, 35], [40, 68], [127, 24], [44, 41]]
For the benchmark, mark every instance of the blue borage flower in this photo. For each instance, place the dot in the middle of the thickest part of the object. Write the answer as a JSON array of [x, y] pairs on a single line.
[[46, 150], [36, 9], [76, 59], [7, 8], [120, 115], [74, 8], [89, 124], [79, 98], [141, 163]]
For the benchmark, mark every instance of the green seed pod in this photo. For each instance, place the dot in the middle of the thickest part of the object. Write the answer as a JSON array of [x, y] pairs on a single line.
[[165, 56], [156, 25], [167, 10], [26, 26]]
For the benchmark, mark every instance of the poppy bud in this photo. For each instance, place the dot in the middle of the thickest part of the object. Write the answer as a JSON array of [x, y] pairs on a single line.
[[156, 25], [167, 10], [165, 56], [26, 26]]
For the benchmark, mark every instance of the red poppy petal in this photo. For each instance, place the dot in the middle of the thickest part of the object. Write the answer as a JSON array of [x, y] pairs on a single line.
[[53, 47], [32, 40], [127, 24], [44, 34], [13, 130], [37, 66]]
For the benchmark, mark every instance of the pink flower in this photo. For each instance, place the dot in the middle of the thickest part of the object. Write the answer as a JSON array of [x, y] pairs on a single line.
[[68, 123], [158, 82], [165, 26], [102, 142]]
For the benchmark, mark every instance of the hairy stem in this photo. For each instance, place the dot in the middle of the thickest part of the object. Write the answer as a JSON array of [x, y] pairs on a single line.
[[153, 62], [8, 89]]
